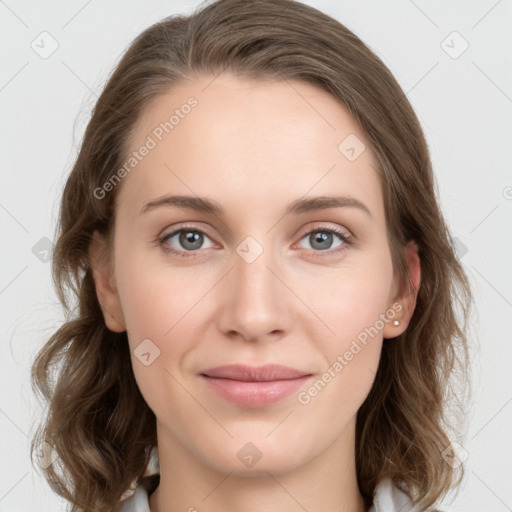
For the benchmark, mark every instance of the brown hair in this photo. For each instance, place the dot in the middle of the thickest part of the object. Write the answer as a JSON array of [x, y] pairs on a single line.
[[98, 422]]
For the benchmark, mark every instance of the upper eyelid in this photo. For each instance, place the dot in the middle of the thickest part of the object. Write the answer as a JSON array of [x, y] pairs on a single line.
[[190, 227]]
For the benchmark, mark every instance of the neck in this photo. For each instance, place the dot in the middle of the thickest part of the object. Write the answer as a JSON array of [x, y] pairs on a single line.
[[327, 482]]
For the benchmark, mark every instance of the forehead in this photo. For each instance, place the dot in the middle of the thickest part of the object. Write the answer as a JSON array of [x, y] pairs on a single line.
[[249, 140]]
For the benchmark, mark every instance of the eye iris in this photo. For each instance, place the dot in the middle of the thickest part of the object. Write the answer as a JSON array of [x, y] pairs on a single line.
[[193, 237], [323, 238]]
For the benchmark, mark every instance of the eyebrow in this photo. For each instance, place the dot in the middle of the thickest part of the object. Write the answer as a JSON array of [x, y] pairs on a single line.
[[308, 204]]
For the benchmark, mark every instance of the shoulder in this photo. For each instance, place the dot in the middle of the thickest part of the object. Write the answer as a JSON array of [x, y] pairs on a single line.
[[386, 498], [136, 497], [391, 498], [136, 501]]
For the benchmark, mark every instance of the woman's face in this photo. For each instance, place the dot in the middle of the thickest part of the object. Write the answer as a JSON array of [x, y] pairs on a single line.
[[261, 280]]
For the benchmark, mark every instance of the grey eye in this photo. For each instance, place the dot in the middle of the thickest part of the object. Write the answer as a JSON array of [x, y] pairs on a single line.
[[322, 240], [188, 239]]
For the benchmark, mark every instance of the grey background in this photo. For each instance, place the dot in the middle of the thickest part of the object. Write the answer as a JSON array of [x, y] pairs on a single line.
[[464, 105]]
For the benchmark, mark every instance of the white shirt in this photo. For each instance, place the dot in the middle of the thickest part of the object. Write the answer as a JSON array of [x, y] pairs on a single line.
[[386, 498]]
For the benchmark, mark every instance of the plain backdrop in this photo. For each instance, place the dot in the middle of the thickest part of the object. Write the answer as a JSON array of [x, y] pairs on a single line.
[[453, 61]]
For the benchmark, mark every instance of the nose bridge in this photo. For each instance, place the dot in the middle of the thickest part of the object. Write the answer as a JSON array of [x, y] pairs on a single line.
[[254, 303]]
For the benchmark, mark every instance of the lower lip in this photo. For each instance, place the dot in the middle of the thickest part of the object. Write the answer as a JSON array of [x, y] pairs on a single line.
[[254, 394]]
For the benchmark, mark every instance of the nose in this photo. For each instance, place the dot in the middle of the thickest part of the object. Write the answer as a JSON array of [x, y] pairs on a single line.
[[254, 301]]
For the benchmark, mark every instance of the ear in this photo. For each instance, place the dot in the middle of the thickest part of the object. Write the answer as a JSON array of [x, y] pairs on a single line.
[[105, 284], [405, 303]]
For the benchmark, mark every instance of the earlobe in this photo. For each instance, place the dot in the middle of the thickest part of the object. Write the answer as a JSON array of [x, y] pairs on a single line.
[[104, 282], [405, 304]]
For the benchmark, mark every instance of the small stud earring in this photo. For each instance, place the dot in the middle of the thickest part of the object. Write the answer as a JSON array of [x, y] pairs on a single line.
[[396, 322]]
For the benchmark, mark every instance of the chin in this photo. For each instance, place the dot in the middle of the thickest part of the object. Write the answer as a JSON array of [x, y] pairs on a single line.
[[257, 458]]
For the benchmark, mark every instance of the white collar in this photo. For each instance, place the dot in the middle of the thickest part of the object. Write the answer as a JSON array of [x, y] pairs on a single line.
[[386, 498]]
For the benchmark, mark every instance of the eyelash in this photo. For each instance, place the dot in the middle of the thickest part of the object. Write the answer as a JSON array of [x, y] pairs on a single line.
[[347, 241]]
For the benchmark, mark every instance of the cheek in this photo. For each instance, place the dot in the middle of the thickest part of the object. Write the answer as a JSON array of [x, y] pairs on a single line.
[[155, 298], [156, 303], [351, 299], [144, 311], [354, 305], [157, 314]]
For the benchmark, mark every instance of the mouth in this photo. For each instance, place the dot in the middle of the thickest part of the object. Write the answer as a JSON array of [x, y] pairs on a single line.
[[250, 386]]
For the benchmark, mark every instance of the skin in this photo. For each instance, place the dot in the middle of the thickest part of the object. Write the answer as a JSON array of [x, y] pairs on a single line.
[[254, 147]]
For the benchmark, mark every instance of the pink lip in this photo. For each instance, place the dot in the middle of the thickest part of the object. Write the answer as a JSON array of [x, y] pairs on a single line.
[[251, 386]]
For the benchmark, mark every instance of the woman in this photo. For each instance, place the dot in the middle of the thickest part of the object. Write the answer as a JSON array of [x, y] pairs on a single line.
[[267, 290]]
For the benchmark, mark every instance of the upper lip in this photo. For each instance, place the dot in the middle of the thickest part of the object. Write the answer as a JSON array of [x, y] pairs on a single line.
[[243, 372]]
